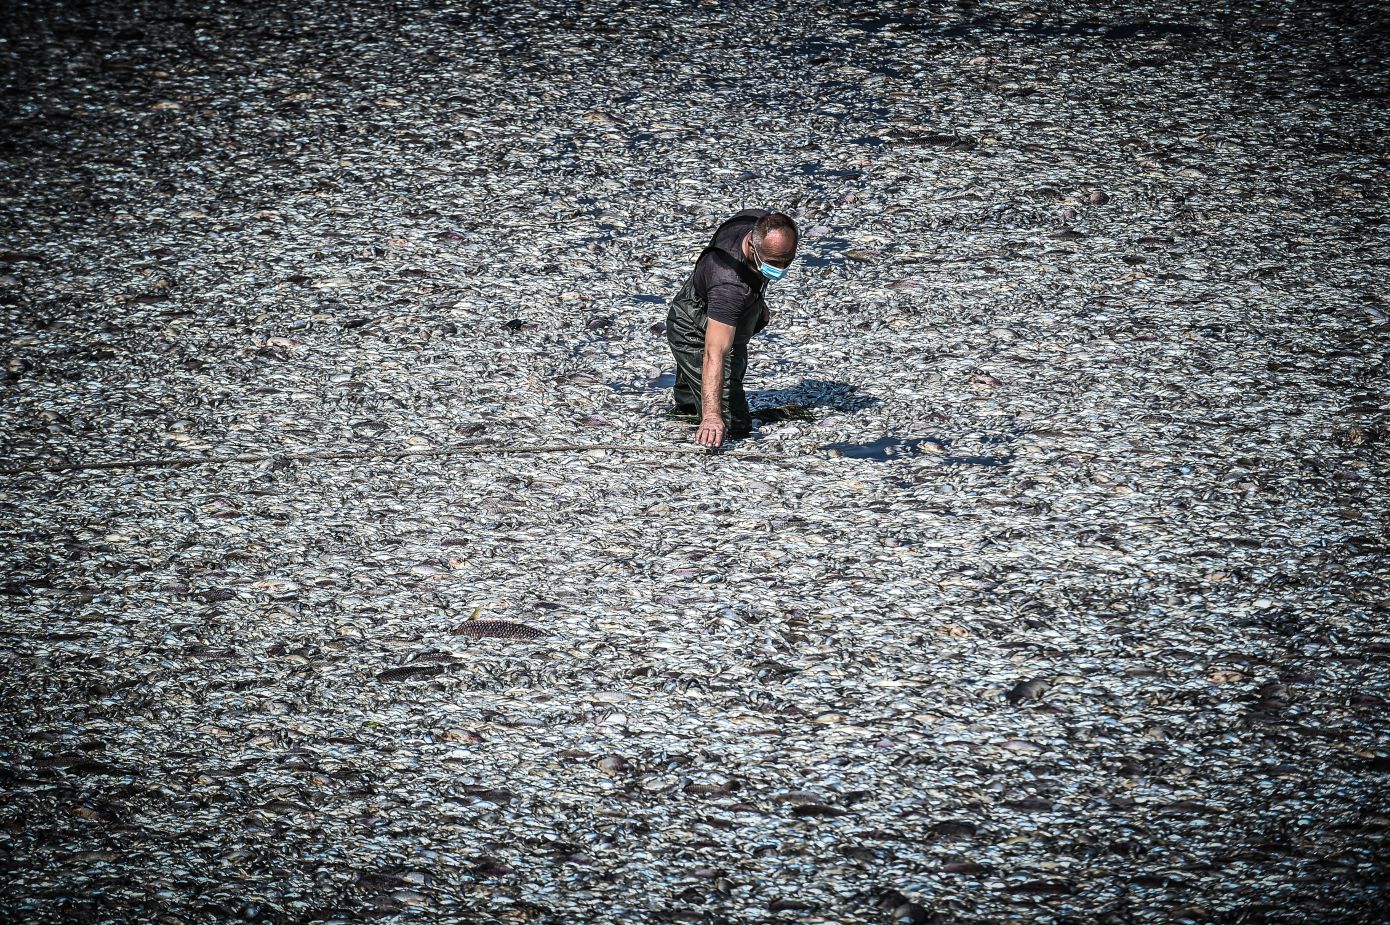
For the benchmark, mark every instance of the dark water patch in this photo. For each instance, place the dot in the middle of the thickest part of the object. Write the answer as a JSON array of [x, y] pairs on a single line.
[[826, 255], [1130, 30], [657, 384]]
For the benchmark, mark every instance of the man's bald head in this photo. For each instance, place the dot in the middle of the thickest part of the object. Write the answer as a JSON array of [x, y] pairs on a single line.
[[775, 237]]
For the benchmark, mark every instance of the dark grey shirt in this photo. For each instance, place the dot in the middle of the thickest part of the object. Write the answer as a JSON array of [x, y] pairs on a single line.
[[723, 278]]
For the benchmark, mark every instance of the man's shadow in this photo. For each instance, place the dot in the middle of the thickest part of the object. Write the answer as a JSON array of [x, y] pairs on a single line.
[[800, 402]]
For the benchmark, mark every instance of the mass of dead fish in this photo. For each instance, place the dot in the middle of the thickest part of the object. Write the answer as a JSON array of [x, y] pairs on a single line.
[[1050, 588]]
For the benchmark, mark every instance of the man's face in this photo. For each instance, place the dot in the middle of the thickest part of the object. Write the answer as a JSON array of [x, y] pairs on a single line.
[[777, 250]]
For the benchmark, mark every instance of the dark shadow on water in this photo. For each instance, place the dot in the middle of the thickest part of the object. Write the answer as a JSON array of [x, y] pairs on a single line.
[[664, 381], [888, 448], [799, 402], [882, 449]]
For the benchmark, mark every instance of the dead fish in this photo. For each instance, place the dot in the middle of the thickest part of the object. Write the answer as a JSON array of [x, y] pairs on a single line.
[[817, 810], [963, 867], [350, 236], [504, 629], [1027, 690], [1022, 745], [1042, 887], [783, 904], [410, 672]]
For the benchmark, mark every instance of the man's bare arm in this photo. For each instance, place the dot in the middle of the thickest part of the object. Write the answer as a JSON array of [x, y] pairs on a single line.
[[719, 340]]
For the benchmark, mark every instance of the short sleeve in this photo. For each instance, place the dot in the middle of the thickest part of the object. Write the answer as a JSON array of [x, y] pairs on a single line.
[[725, 301]]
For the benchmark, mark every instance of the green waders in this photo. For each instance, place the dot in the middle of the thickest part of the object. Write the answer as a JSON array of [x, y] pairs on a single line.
[[685, 332]]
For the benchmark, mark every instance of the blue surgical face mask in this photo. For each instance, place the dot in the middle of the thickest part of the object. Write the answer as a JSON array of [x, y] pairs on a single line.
[[773, 274], [770, 273]]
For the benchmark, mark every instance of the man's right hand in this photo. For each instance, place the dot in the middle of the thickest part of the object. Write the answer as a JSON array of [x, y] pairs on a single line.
[[719, 341], [711, 433]]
